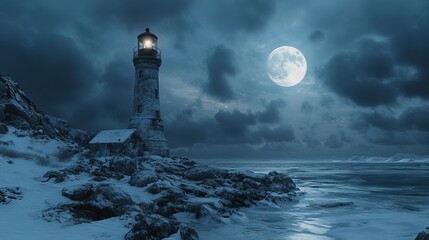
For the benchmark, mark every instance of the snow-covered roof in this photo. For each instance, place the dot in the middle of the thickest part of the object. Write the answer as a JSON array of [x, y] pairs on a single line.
[[112, 136]]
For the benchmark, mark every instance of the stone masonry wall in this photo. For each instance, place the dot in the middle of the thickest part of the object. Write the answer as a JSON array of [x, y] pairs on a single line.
[[146, 109]]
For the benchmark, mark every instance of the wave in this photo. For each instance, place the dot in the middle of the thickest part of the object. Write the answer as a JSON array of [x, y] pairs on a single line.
[[396, 158]]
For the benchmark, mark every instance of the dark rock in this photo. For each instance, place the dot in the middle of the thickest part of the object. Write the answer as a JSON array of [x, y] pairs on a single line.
[[79, 136], [143, 178], [17, 110], [278, 182], [2, 108], [423, 235], [336, 204], [157, 187], [77, 169], [99, 179], [66, 153], [3, 128], [9, 161], [196, 191], [59, 124], [104, 171], [59, 176], [10, 193], [152, 227], [78, 193], [123, 165], [187, 233], [110, 197], [171, 202], [20, 124], [204, 173], [95, 202]]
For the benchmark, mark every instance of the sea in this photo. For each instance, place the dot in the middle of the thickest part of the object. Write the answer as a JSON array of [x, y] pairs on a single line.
[[386, 199]]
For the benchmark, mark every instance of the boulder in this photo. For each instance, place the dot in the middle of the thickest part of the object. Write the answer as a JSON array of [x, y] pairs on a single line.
[[187, 233], [78, 193], [125, 166], [423, 235], [152, 227], [2, 109], [10, 193], [96, 202], [143, 178], [79, 136], [59, 176], [278, 182], [3, 128]]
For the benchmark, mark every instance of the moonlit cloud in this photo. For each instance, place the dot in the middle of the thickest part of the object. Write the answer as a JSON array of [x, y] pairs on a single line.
[[366, 90]]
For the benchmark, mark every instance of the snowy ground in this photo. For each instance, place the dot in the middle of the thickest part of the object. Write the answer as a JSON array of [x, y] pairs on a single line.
[[188, 187], [21, 219]]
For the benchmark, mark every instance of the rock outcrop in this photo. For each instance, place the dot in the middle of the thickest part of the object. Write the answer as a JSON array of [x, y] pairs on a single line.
[[423, 235], [18, 111], [9, 194], [178, 185]]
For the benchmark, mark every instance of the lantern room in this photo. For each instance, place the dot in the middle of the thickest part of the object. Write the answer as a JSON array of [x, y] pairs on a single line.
[[147, 45]]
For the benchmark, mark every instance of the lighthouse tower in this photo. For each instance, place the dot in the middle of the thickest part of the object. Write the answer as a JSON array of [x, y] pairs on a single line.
[[146, 116]]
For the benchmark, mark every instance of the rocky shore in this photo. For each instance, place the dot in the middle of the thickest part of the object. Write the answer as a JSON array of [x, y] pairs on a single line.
[[175, 185]]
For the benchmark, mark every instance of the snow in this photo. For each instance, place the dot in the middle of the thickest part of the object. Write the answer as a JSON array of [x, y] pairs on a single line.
[[22, 219], [19, 144], [112, 136]]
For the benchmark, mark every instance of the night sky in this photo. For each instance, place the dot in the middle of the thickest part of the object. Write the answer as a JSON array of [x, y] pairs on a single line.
[[366, 91]]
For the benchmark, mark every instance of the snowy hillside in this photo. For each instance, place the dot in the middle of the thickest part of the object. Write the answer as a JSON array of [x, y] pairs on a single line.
[[51, 187]]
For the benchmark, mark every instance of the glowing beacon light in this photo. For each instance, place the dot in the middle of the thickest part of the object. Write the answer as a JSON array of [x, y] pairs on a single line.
[[147, 45]]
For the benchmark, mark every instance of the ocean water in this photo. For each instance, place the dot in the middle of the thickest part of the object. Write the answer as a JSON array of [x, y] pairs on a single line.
[[340, 200]]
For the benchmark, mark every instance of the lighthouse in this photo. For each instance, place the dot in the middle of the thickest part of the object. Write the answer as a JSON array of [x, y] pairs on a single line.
[[146, 112]]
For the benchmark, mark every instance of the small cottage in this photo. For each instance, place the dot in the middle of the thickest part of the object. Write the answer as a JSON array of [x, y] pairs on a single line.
[[120, 141]]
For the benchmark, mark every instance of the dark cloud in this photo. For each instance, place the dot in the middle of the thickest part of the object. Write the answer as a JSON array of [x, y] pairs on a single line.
[[316, 36], [234, 124], [393, 62], [411, 51], [242, 15], [306, 107], [271, 113], [326, 101], [136, 14], [363, 76], [391, 139], [184, 130], [220, 64], [277, 135], [332, 141], [48, 66], [225, 127], [311, 141], [110, 104], [414, 118]]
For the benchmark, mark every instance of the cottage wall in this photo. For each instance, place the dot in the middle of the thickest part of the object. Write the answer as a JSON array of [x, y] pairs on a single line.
[[132, 147]]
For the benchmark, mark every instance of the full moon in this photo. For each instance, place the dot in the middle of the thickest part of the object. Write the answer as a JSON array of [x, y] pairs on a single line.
[[286, 66]]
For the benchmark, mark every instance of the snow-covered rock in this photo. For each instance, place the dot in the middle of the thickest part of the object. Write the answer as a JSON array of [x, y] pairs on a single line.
[[94, 202], [152, 227], [423, 235], [18, 111], [123, 165], [9, 194]]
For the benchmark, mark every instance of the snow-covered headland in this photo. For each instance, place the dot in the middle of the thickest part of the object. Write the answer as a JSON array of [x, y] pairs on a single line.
[[52, 186]]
